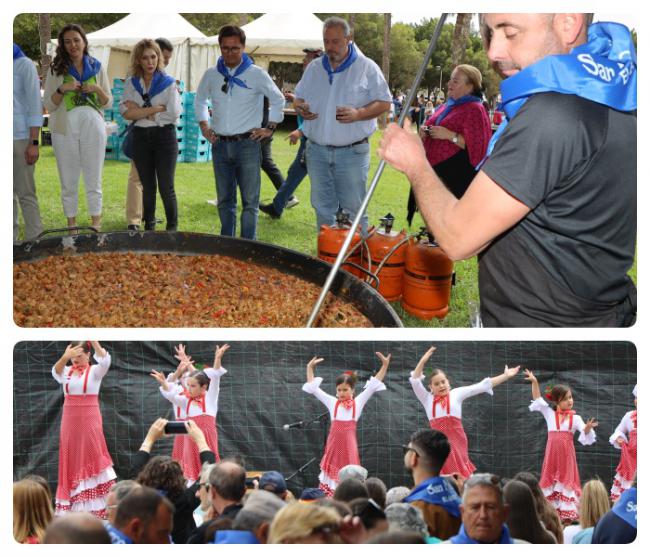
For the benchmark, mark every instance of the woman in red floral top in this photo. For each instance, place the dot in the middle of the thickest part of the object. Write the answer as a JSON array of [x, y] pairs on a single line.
[[456, 136]]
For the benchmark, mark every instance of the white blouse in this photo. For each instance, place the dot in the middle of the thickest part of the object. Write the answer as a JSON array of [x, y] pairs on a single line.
[[175, 395], [372, 386], [75, 382], [179, 411], [456, 396], [540, 405], [623, 429], [169, 98]]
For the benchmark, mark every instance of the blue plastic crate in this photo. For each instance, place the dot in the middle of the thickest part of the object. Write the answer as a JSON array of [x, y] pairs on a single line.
[[198, 156], [108, 114], [118, 83], [199, 143]]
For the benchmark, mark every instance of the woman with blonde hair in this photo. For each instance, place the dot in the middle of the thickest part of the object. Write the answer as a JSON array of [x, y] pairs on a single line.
[[594, 503], [305, 523], [32, 511], [151, 100]]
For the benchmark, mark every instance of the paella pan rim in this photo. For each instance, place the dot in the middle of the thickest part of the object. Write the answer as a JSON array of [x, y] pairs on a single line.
[[345, 285]]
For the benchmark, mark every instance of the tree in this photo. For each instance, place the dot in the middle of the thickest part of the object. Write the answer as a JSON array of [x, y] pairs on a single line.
[[385, 61], [44, 33], [405, 56], [461, 35]]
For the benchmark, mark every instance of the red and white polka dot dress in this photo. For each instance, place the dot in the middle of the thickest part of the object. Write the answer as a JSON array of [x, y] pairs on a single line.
[[626, 469], [85, 466], [445, 414], [203, 411], [560, 479], [179, 416], [341, 448]]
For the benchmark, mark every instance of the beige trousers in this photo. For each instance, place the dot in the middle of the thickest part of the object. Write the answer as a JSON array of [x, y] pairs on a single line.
[[134, 197]]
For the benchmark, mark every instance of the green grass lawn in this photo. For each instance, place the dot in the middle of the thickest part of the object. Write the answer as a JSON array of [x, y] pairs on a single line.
[[296, 229]]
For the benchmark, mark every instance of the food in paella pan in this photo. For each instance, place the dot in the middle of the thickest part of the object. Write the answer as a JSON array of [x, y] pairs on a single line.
[[162, 290]]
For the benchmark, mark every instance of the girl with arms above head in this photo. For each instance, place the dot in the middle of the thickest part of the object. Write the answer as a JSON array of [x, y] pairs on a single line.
[[345, 410]]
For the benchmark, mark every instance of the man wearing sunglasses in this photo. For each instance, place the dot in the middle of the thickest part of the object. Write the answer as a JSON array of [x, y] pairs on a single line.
[[424, 457], [237, 89]]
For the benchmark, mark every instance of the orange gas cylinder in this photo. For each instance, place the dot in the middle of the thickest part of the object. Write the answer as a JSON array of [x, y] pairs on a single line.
[[380, 245], [428, 276], [330, 241]]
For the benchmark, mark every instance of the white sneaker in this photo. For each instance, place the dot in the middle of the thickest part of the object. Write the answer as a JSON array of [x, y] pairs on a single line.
[[293, 201], [212, 202]]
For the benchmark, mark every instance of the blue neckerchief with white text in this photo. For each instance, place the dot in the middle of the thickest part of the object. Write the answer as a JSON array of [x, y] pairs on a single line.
[[351, 58], [602, 70], [437, 491], [625, 507], [233, 80]]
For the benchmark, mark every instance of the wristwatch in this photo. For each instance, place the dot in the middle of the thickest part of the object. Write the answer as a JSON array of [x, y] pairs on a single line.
[[58, 90], [271, 127], [454, 139]]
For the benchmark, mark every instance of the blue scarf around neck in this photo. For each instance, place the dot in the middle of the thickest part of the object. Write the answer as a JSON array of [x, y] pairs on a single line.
[[233, 80], [159, 83], [463, 538], [91, 68], [351, 58], [452, 103], [625, 507], [18, 53], [602, 70], [436, 491]]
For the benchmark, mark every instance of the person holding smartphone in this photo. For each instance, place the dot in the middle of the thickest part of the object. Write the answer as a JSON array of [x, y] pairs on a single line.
[[200, 400]]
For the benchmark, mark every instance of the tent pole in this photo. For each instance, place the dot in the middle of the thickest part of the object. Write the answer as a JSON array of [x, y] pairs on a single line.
[[188, 85], [378, 173]]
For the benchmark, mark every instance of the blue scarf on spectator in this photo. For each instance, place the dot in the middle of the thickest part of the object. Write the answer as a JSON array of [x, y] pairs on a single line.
[[232, 80], [234, 537], [625, 507], [437, 491], [452, 103], [91, 68], [462, 537], [117, 536], [159, 83], [351, 58], [603, 70], [18, 53]]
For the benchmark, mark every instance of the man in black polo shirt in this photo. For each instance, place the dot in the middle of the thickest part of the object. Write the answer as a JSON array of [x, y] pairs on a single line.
[[552, 212]]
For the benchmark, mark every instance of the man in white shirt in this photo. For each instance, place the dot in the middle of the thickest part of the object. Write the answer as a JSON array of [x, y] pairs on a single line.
[[28, 118], [237, 89], [340, 96]]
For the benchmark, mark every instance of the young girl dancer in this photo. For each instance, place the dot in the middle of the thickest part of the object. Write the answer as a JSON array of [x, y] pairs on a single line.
[[183, 371], [624, 439], [444, 408], [199, 399], [560, 479], [345, 410], [85, 466]]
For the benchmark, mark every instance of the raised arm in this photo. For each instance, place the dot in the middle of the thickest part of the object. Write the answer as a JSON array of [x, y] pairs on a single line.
[[311, 365], [218, 354], [508, 373], [98, 348], [70, 352], [419, 369], [385, 361], [534, 384], [160, 377]]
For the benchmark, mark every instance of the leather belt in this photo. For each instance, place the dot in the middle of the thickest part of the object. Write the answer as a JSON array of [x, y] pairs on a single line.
[[237, 137]]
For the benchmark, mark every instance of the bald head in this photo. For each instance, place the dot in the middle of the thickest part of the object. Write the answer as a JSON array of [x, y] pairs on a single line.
[[228, 480], [76, 528]]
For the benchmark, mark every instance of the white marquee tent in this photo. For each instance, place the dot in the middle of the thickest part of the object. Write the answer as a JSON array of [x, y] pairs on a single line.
[[271, 37]]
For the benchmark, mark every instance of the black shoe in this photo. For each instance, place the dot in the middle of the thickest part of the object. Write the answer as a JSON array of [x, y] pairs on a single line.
[[133, 227], [269, 209]]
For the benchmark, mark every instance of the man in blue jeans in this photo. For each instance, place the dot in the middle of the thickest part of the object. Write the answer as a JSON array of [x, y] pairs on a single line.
[[298, 170], [340, 96], [237, 89]]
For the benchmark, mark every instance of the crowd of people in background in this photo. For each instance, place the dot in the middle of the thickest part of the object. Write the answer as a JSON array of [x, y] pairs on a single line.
[[225, 507]]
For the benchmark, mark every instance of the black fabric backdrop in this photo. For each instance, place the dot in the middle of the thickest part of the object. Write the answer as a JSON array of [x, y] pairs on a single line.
[[262, 391]]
